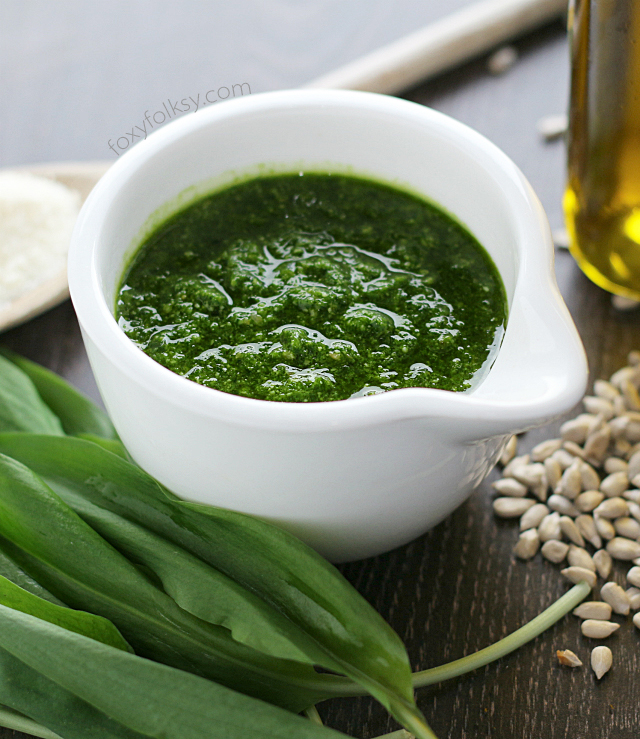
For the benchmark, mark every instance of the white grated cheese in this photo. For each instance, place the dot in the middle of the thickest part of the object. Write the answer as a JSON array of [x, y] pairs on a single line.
[[36, 220]]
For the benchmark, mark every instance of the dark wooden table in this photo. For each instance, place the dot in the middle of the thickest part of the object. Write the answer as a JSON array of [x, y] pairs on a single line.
[[458, 588]]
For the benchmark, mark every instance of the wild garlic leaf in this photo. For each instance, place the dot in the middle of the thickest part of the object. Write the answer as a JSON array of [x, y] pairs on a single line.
[[145, 698], [16, 721], [21, 407], [115, 446], [341, 631], [12, 571], [195, 586], [80, 622], [59, 550], [77, 413]]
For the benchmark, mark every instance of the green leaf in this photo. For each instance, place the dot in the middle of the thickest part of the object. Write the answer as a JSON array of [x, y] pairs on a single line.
[[49, 707], [196, 587], [10, 719], [60, 551], [341, 631], [88, 624], [145, 697], [115, 446], [21, 408], [76, 411], [12, 571]]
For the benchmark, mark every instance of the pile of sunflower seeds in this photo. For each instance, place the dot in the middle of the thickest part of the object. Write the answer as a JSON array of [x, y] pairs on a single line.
[[578, 501]]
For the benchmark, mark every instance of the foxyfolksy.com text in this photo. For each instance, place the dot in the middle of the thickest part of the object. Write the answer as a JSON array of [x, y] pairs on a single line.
[[171, 109]]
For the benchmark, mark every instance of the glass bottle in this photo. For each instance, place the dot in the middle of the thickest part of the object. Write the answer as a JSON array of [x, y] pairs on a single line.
[[602, 199]]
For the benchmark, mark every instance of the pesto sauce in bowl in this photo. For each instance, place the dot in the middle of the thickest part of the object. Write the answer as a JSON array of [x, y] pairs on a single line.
[[314, 287]]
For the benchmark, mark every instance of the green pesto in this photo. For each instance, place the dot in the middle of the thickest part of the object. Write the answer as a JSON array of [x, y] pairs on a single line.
[[314, 287]]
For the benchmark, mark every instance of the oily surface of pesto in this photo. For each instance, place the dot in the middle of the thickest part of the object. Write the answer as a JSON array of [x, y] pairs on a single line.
[[313, 287]]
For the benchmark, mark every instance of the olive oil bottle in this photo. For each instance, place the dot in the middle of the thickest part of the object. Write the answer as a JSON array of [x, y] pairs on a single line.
[[602, 199]]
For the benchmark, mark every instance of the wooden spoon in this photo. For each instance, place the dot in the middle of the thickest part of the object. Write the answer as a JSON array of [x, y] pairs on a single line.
[[80, 176]]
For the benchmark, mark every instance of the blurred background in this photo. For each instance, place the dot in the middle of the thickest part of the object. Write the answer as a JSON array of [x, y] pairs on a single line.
[[75, 74]]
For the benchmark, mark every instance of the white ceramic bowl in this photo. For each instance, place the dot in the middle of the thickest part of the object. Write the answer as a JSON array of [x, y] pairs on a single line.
[[354, 477]]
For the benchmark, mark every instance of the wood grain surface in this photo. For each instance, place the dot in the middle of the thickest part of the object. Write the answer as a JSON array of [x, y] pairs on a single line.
[[459, 588]]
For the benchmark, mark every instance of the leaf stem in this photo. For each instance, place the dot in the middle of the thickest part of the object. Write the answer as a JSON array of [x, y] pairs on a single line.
[[414, 723], [312, 714], [507, 645], [400, 734], [11, 719], [346, 688]]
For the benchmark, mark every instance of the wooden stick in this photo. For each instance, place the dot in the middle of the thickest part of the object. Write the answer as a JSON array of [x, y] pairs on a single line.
[[441, 45]]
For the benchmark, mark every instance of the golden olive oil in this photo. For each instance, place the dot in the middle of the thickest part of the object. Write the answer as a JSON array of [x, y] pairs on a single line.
[[602, 199]]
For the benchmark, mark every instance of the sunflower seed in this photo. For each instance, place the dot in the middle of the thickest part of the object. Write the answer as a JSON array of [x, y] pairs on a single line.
[[589, 500], [633, 468], [502, 59], [616, 597], [618, 425], [553, 471], [603, 526], [632, 450], [528, 543], [545, 449], [598, 406], [630, 395], [601, 661], [622, 303], [509, 451], [624, 549], [577, 429], [634, 598], [595, 447], [603, 562], [604, 389], [624, 374], [614, 484], [511, 507], [632, 432], [619, 405], [571, 531], [555, 551], [614, 464], [633, 576], [636, 620], [634, 510], [593, 609], [570, 484], [510, 486], [531, 475], [579, 557], [574, 449], [549, 527], [563, 458], [579, 574], [636, 561], [632, 495], [595, 629], [622, 448], [587, 527], [627, 527], [612, 508], [589, 477], [567, 658], [532, 518], [552, 127], [515, 462], [562, 505]]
